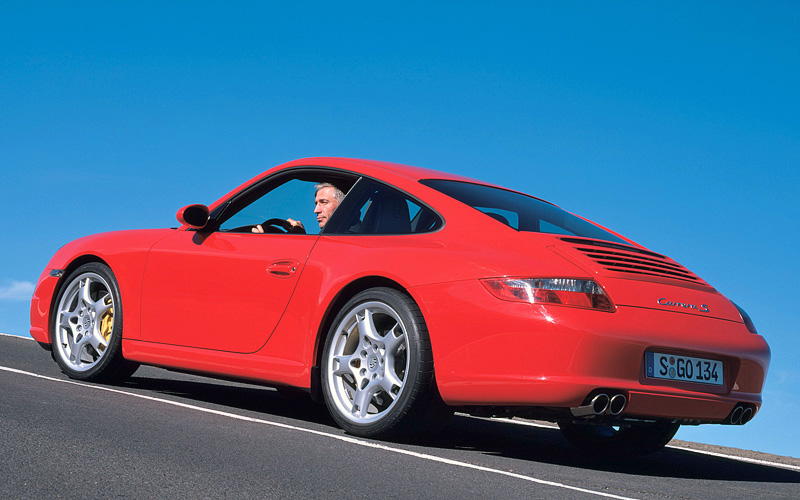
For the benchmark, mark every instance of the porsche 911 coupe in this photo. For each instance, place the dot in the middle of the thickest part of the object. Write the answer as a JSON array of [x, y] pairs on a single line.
[[398, 295]]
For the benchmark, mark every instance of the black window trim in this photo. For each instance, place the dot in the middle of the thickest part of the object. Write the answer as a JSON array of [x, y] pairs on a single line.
[[216, 215]]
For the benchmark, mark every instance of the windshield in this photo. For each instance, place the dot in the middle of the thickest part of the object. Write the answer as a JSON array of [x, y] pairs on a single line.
[[519, 211]]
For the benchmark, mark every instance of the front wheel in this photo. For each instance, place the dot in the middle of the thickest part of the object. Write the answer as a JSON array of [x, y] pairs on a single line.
[[631, 439], [377, 367], [86, 327]]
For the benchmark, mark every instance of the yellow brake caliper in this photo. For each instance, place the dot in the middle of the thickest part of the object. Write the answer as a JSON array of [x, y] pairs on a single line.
[[107, 322]]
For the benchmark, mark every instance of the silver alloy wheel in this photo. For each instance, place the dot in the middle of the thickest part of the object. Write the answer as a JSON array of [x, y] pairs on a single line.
[[368, 362], [84, 321]]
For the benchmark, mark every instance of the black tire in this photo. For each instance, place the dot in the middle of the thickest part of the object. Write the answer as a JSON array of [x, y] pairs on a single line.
[[86, 326], [377, 368], [635, 439]]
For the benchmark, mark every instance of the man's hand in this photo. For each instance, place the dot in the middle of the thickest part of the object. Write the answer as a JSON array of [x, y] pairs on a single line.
[[297, 227]]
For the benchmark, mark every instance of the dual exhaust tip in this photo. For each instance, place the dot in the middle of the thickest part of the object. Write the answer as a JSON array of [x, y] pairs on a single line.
[[614, 404], [741, 414], [602, 404]]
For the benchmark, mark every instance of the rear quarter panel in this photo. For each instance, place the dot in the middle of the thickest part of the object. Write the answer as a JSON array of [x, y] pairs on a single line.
[[457, 253]]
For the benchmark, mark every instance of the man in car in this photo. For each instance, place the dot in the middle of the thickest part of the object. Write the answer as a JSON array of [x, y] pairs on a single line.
[[327, 197]]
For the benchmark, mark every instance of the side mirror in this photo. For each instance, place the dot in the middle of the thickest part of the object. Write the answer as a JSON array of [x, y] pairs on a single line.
[[194, 216]]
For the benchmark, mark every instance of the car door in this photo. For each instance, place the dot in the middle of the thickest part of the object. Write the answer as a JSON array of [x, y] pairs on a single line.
[[222, 291], [225, 287]]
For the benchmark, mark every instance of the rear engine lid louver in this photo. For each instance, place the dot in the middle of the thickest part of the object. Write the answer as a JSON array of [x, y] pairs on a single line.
[[633, 262], [638, 278]]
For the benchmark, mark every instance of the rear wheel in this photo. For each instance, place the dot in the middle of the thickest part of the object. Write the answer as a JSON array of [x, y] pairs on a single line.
[[639, 438], [87, 326], [377, 367]]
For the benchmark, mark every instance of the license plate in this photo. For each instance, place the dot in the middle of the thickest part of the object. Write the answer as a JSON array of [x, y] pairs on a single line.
[[683, 368]]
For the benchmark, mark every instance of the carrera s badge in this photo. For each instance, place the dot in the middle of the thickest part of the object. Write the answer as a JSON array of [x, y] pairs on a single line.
[[701, 308]]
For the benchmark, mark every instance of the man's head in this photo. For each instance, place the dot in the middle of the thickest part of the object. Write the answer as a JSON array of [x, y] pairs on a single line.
[[326, 200]]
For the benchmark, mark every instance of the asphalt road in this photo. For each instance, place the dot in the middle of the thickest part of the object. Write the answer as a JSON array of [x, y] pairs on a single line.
[[168, 435]]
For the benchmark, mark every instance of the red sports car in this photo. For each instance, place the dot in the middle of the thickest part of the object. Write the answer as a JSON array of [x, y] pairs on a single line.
[[404, 295]]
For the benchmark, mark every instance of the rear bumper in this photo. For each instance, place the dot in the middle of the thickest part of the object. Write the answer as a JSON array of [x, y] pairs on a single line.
[[495, 353]]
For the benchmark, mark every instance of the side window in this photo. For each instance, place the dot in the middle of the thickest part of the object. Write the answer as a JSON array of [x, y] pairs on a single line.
[[286, 200], [291, 199], [380, 209]]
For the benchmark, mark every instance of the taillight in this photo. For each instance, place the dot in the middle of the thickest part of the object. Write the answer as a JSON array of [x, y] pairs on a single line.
[[562, 291], [751, 327]]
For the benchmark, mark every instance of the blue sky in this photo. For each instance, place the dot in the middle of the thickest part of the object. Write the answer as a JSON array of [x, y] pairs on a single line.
[[674, 123]]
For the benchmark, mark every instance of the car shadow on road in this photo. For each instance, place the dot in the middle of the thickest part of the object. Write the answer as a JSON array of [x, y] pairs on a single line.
[[546, 445], [293, 404], [464, 434]]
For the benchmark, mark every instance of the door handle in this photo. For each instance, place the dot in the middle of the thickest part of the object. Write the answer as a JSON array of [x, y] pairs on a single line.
[[283, 268]]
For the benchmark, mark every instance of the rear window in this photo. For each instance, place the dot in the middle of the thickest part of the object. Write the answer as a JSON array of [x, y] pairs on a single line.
[[519, 211]]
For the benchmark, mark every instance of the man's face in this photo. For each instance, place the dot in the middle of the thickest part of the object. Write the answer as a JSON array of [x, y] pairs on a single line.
[[324, 205]]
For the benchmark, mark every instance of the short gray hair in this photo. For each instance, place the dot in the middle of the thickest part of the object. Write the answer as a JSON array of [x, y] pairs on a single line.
[[337, 193]]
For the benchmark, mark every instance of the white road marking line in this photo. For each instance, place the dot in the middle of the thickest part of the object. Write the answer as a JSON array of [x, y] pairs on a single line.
[[346, 439], [741, 459]]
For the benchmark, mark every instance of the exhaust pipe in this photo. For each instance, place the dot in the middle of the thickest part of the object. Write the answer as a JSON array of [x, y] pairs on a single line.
[[617, 404], [601, 404], [741, 414], [736, 416], [597, 406]]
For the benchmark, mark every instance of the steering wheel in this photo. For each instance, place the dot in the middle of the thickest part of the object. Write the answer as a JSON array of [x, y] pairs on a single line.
[[276, 224]]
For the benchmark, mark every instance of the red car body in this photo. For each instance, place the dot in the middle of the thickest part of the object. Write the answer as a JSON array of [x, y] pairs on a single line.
[[258, 306]]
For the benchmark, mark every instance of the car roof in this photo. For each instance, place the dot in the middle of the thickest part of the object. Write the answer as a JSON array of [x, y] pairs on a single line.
[[393, 173], [383, 170], [377, 167]]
